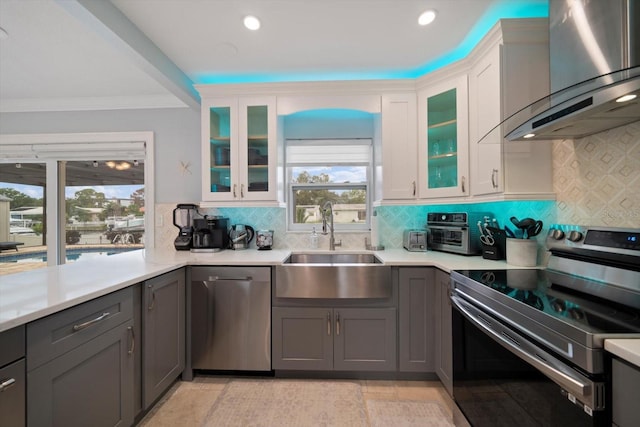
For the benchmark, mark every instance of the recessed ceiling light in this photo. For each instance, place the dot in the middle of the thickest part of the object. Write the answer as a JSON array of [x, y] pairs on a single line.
[[529, 135], [251, 22], [427, 17], [626, 98]]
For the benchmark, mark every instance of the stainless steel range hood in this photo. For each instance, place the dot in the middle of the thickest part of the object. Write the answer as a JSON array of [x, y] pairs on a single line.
[[594, 61]]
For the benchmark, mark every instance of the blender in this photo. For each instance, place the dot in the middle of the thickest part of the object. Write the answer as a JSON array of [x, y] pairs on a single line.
[[183, 219]]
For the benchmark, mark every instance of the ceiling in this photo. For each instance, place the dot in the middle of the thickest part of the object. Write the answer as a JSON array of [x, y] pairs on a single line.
[[88, 55]]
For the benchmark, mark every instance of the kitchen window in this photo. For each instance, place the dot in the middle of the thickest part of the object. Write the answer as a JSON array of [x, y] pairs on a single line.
[[322, 170]]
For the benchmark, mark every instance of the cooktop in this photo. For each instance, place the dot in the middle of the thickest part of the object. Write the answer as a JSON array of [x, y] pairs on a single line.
[[537, 290]]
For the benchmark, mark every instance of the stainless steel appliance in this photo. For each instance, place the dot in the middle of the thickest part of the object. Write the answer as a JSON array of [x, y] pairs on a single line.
[[455, 232], [183, 216], [264, 239], [415, 240], [240, 236], [231, 318], [535, 338], [594, 52], [210, 234]]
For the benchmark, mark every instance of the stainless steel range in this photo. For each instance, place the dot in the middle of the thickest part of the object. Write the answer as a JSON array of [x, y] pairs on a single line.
[[529, 344]]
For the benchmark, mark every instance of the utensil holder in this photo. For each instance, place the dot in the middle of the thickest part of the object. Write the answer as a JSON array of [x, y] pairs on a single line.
[[522, 252]]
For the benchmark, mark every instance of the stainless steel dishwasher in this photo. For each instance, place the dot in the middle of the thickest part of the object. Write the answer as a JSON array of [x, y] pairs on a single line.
[[231, 318]]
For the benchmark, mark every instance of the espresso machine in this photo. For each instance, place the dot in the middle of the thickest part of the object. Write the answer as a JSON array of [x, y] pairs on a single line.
[[183, 217]]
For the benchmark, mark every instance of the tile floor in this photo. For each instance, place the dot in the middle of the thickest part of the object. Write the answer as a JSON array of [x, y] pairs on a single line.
[[187, 403]]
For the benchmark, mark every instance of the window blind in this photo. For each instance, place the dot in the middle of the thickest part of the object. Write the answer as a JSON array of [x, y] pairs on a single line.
[[328, 152]]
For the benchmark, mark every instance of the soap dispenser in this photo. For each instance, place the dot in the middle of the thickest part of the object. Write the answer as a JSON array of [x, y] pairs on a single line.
[[314, 239]]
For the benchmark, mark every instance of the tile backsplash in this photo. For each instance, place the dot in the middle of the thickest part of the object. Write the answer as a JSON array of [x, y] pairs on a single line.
[[597, 178], [392, 221]]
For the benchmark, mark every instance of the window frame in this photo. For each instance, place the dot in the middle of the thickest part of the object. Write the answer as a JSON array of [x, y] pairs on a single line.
[[292, 187]]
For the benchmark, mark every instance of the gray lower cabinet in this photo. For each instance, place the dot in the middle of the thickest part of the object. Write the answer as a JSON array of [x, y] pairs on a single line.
[[163, 335], [12, 377], [625, 393], [346, 339], [80, 365], [417, 319], [443, 335]]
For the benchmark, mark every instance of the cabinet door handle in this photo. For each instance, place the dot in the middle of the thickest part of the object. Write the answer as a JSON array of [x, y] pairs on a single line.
[[234, 190], [132, 347], [328, 323], [5, 384], [414, 188], [153, 298], [338, 323], [85, 325], [494, 175], [463, 182], [242, 191]]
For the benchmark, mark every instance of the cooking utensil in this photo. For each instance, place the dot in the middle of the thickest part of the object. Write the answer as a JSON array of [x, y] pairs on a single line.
[[534, 230], [509, 232], [524, 225]]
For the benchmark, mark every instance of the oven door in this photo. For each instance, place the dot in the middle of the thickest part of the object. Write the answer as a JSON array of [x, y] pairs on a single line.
[[451, 239], [500, 378]]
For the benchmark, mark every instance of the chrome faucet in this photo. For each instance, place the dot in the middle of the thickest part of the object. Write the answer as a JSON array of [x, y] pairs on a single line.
[[327, 211]]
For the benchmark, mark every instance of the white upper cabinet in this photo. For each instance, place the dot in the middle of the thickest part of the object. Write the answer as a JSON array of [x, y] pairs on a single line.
[[443, 154], [239, 149], [485, 106], [399, 179], [509, 70]]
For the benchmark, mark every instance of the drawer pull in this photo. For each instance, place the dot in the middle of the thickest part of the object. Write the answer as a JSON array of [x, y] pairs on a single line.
[[91, 322], [5, 384]]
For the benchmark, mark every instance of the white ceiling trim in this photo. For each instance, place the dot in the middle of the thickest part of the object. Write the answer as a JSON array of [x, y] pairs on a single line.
[[111, 24], [32, 105]]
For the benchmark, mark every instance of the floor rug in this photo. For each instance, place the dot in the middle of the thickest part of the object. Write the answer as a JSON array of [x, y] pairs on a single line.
[[404, 413], [288, 403]]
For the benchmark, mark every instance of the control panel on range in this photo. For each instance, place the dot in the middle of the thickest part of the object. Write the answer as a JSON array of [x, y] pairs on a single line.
[[604, 239]]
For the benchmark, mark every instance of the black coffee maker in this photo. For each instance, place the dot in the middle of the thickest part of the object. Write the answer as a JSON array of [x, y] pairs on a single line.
[[183, 217], [210, 233]]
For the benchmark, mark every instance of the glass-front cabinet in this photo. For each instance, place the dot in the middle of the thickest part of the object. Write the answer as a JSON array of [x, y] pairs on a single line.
[[238, 154], [443, 155]]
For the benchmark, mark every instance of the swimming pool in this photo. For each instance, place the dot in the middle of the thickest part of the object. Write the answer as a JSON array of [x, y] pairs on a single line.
[[71, 255]]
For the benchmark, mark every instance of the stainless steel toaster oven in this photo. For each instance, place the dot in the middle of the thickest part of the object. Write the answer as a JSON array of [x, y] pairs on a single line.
[[455, 232]]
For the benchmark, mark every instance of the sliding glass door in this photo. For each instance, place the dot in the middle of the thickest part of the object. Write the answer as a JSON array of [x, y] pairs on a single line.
[[72, 201]]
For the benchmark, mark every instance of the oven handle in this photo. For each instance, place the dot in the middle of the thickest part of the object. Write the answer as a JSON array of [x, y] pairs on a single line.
[[572, 383], [568, 352]]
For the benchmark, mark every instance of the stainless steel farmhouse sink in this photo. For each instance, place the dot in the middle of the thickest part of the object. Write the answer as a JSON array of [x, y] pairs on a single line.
[[333, 258], [333, 275]]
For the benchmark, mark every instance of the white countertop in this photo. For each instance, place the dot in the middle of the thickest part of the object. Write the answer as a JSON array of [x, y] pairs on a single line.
[[31, 295], [627, 349]]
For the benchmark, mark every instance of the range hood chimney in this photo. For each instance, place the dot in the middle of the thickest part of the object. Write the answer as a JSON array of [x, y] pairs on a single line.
[[594, 63]]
